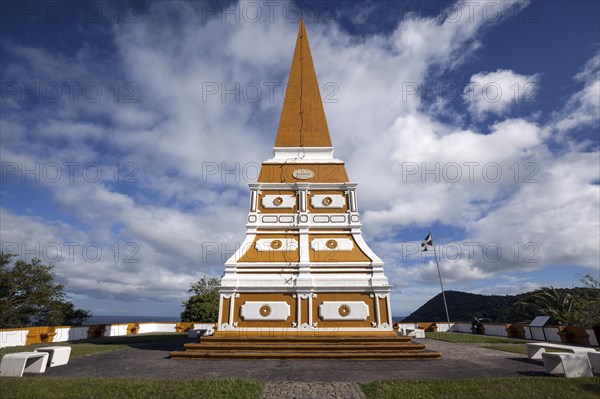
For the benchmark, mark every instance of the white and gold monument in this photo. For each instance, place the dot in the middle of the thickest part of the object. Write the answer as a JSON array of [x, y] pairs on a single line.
[[304, 283]]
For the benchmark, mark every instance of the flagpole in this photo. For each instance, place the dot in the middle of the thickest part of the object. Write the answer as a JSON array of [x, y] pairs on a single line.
[[440, 276]]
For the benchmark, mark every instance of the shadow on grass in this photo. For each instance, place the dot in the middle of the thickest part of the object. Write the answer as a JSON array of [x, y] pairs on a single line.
[[534, 374], [465, 338], [166, 342], [591, 387], [153, 341], [525, 360]]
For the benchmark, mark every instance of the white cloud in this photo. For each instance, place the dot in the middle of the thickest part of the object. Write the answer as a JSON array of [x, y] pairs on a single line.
[[455, 173], [495, 92], [557, 214], [582, 109], [175, 131]]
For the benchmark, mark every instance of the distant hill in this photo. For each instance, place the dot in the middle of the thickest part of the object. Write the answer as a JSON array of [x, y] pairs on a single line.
[[463, 306]]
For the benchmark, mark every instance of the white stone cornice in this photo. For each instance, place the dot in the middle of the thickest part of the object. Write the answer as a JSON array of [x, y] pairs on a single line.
[[303, 155], [360, 241], [241, 250], [305, 186]]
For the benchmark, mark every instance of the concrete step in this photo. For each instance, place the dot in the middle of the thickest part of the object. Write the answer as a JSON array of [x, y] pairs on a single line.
[[339, 339], [302, 354], [305, 346]]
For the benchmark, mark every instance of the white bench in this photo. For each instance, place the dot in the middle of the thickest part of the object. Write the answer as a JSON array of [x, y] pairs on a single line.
[[200, 332], [536, 349], [572, 365], [58, 355], [594, 361], [414, 332], [15, 364]]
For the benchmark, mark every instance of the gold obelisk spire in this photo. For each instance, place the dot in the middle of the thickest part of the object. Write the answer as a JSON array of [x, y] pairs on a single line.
[[302, 122]]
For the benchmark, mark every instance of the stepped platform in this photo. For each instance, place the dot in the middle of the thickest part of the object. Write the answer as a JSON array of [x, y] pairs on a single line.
[[377, 346]]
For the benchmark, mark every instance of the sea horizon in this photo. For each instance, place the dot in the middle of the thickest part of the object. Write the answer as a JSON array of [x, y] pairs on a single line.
[[110, 319]]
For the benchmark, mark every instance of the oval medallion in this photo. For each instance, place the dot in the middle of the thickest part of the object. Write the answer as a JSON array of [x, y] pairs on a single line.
[[303, 174], [265, 310], [331, 244]]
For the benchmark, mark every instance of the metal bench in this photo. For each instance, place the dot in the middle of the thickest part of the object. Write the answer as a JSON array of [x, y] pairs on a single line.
[[58, 355], [571, 365], [536, 349], [15, 364]]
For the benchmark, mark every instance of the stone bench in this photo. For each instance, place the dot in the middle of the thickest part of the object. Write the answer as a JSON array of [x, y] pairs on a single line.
[[535, 350], [200, 332], [571, 365], [15, 364], [594, 361], [58, 355], [414, 332]]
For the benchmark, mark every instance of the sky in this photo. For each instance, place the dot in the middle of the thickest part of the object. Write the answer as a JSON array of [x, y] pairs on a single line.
[[130, 131]]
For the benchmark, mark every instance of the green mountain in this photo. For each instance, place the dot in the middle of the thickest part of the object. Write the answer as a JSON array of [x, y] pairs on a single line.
[[583, 307], [463, 306]]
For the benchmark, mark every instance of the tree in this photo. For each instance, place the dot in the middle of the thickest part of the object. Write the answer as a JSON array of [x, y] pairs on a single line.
[[589, 301], [29, 296], [203, 305], [559, 304], [576, 306]]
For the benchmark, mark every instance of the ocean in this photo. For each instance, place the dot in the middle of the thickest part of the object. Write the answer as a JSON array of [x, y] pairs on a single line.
[[164, 319], [130, 319]]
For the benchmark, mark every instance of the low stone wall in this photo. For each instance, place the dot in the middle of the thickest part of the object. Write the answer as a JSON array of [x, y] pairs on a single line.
[[33, 335], [548, 333]]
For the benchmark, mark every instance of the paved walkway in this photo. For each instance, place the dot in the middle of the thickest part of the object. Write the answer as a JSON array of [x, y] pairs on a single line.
[[152, 361], [312, 390]]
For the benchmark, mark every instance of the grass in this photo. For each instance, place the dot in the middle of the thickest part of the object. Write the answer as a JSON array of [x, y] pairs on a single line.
[[492, 388], [462, 338], [511, 345], [99, 345], [512, 348], [151, 338], [489, 388], [90, 388], [520, 349]]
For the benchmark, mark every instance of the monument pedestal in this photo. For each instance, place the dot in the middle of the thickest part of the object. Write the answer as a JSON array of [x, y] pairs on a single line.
[[306, 345]]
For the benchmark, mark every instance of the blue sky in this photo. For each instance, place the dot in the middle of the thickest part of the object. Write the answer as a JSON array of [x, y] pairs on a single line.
[[131, 130]]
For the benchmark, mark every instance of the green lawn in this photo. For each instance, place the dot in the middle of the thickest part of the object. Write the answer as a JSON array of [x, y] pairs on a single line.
[[512, 348], [500, 388], [99, 345], [511, 345], [490, 388], [520, 349], [472, 338], [90, 388]]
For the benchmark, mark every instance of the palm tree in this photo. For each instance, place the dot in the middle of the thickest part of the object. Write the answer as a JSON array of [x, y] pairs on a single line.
[[560, 305]]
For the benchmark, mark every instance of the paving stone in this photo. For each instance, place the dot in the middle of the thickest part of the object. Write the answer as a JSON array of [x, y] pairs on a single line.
[[152, 361], [312, 390]]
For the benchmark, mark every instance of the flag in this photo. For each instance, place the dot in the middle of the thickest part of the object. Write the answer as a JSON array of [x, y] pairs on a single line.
[[427, 242]]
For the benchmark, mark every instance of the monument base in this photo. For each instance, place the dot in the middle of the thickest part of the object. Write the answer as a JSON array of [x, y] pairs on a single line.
[[383, 345]]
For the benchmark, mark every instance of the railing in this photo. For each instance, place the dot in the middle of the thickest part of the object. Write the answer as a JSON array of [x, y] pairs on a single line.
[[33, 335]]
